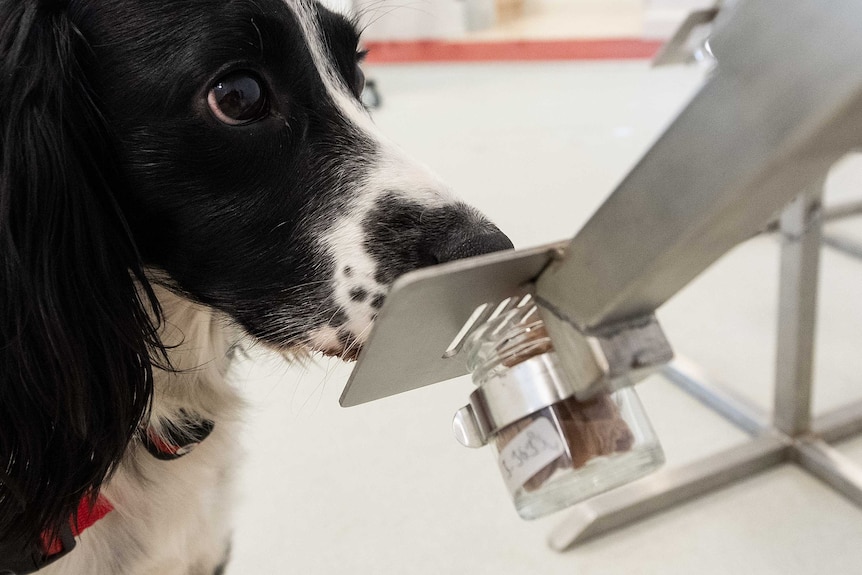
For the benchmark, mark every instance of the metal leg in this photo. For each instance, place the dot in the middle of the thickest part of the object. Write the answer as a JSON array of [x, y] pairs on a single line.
[[688, 377], [797, 312], [840, 424], [830, 466], [830, 214], [843, 245], [844, 210]]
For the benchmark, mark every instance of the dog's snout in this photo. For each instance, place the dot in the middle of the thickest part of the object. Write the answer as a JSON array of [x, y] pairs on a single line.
[[470, 241], [402, 236]]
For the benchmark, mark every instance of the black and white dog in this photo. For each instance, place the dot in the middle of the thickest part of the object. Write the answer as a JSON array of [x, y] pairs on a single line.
[[178, 176]]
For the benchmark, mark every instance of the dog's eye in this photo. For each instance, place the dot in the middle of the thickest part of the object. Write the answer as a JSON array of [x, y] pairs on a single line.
[[358, 74], [237, 99], [358, 81]]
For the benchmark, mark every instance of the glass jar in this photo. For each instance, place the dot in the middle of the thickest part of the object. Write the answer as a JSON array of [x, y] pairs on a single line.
[[552, 449]]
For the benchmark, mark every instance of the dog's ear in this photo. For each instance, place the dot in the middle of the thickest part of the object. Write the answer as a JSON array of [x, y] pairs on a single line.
[[78, 320]]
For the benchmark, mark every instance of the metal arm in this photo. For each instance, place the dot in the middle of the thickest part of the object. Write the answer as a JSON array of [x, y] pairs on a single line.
[[783, 105]]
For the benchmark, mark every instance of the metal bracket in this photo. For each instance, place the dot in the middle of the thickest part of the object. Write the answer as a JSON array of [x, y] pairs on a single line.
[[610, 359], [687, 43], [580, 366]]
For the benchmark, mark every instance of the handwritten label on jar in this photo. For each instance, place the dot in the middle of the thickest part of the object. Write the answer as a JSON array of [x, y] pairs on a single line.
[[529, 452]]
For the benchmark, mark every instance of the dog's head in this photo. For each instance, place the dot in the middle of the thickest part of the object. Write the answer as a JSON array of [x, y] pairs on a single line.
[[219, 146], [254, 176]]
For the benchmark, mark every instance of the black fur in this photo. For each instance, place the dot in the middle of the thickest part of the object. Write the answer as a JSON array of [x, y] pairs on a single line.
[[111, 163], [77, 315]]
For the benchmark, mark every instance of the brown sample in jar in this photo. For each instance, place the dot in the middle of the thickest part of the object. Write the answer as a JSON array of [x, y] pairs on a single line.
[[591, 428]]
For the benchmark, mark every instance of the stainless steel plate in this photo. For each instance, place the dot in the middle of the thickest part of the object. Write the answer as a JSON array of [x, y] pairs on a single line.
[[424, 313]]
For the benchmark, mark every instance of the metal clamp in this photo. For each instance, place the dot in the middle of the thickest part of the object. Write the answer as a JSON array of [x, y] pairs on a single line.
[[581, 366], [524, 389], [611, 359]]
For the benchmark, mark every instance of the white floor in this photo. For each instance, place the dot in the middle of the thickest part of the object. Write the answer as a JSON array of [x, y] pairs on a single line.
[[384, 489]]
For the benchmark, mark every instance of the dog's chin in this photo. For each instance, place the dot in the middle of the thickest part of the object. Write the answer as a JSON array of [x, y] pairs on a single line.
[[338, 342], [348, 349], [303, 353], [348, 355]]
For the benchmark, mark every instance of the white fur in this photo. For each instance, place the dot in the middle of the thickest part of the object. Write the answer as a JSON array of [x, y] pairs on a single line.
[[173, 517]]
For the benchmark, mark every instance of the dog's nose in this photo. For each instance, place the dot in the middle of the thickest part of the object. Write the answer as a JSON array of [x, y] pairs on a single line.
[[402, 236], [469, 242]]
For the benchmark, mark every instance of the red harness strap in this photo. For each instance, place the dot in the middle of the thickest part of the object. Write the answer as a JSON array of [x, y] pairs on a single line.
[[88, 515], [176, 443]]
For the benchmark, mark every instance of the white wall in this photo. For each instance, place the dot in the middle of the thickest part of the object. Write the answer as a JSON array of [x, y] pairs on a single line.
[[449, 19], [412, 19]]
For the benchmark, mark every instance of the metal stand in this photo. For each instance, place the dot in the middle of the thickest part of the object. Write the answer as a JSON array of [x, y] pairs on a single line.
[[782, 106], [792, 436]]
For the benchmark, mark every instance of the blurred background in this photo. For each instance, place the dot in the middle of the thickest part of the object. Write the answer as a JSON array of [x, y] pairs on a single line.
[[522, 19], [533, 110]]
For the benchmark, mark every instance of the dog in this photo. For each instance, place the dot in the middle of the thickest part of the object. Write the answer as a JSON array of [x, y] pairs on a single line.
[[179, 179]]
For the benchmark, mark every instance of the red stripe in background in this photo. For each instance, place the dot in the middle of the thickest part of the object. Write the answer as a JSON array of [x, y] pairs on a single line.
[[514, 51]]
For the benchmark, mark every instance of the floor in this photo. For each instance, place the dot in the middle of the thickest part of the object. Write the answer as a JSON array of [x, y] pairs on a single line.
[[385, 489]]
